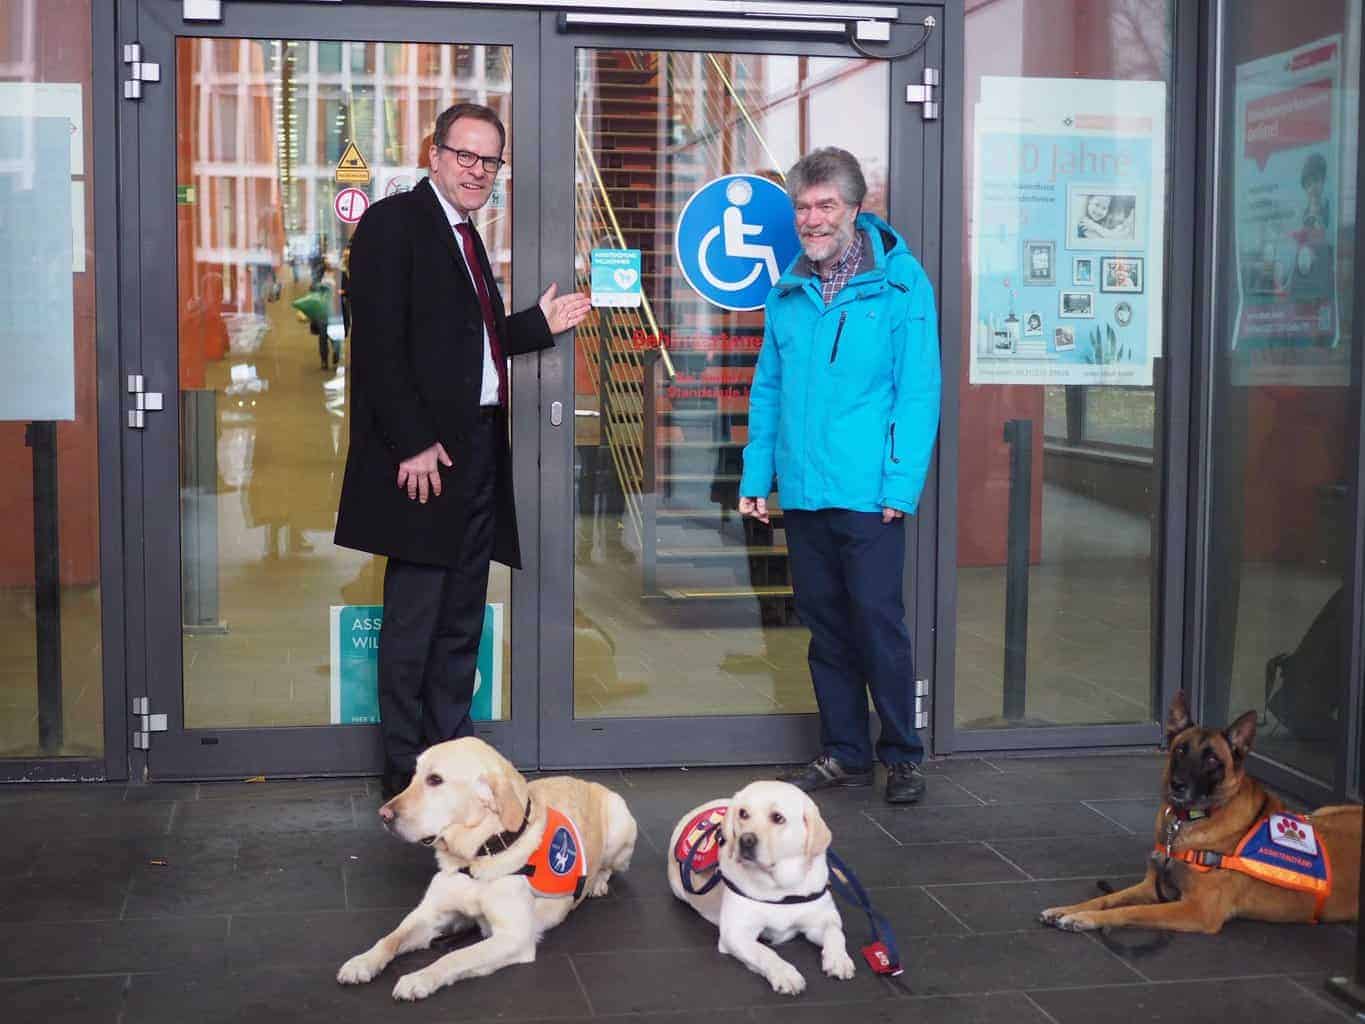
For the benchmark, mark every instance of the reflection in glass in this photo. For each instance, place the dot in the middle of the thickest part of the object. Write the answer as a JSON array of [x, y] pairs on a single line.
[[1285, 420], [1085, 537], [51, 671], [681, 608], [262, 276]]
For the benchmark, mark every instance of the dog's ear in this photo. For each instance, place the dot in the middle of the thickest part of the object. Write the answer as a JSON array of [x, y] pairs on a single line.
[[818, 836], [729, 825], [1240, 735], [1178, 717], [497, 792]]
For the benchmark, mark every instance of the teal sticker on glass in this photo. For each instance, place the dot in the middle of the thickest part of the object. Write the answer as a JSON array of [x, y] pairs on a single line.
[[616, 278], [355, 665]]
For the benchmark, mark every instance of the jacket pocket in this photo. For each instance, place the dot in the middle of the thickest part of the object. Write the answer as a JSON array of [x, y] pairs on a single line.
[[893, 444], [838, 333]]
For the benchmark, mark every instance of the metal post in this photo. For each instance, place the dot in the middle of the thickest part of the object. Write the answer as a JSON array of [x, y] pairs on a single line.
[[1019, 436], [649, 484], [42, 438]]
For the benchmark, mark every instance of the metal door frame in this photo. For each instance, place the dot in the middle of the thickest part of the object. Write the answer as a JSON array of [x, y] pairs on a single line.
[[151, 347], [916, 159]]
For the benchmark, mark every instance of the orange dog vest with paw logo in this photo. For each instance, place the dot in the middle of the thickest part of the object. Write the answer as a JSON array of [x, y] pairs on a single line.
[[1282, 849]]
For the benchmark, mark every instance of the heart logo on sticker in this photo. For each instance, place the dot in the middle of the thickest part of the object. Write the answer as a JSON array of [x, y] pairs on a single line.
[[625, 277]]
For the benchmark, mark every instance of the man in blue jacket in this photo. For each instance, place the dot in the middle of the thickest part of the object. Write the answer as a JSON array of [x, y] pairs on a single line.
[[843, 413]]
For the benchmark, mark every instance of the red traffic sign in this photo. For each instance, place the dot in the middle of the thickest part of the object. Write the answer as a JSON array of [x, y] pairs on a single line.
[[350, 205]]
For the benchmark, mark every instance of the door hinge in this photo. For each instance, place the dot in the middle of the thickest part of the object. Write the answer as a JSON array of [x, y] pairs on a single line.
[[924, 94], [139, 71], [921, 703], [143, 402], [146, 723]]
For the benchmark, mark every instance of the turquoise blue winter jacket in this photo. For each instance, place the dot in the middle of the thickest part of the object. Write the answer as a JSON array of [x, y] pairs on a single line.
[[844, 405]]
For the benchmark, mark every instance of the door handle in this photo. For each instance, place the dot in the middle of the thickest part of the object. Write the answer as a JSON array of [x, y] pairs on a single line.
[[556, 413]]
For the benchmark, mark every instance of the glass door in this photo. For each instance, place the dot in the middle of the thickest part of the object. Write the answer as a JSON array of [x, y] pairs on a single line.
[[260, 150], [671, 635]]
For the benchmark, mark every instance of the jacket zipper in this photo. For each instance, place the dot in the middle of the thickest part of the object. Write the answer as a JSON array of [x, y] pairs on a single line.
[[893, 444], [838, 333]]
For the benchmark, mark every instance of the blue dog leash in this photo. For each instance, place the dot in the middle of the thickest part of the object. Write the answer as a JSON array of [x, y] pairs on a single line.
[[883, 955]]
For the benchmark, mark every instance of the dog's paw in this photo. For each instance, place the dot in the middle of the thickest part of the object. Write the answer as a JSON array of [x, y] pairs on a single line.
[[1081, 921], [412, 987], [786, 980], [599, 887], [358, 970], [1051, 915], [838, 965]]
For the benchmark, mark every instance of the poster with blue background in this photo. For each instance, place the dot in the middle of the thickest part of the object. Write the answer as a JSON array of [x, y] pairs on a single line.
[[1067, 231], [355, 665]]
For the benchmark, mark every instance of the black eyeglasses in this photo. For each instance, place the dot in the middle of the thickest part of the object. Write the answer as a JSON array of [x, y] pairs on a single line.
[[463, 157]]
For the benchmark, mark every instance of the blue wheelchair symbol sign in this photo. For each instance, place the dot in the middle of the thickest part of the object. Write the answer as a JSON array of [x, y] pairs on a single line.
[[735, 236]]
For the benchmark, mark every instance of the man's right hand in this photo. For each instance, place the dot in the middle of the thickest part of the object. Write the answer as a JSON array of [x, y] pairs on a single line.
[[754, 507], [420, 475]]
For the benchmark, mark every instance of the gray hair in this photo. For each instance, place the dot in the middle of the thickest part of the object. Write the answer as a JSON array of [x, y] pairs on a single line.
[[829, 165]]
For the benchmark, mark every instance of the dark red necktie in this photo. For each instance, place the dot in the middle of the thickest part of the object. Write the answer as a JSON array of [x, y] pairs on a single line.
[[466, 233]]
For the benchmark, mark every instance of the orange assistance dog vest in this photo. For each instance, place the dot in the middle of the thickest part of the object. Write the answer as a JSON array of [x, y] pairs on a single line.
[[559, 865], [1282, 849]]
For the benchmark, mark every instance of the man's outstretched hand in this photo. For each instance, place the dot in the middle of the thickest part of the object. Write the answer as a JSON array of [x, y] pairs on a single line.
[[563, 312]]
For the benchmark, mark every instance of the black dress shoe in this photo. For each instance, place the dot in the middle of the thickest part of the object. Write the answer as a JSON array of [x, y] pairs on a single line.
[[904, 783], [826, 772]]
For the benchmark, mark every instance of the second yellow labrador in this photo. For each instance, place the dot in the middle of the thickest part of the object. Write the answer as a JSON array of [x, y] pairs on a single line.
[[513, 857], [769, 848]]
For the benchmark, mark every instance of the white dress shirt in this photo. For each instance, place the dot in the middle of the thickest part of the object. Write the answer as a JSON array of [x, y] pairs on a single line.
[[488, 393]]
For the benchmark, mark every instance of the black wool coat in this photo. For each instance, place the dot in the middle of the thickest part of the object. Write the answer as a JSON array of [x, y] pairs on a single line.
[[414, 376]]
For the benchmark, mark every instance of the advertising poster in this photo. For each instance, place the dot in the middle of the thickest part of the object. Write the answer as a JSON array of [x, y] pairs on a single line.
[[1287, 188], [355, 665], [1067, 231]]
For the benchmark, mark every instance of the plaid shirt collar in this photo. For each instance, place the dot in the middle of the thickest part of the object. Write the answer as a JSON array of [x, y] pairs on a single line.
[[845, 268]]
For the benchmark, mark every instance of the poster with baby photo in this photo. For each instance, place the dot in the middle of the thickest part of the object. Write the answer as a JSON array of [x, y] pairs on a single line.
[[1287, 200], [1067, 231]]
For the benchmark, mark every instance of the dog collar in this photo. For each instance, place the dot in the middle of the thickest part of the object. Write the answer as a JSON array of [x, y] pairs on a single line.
[[809, 897], [505, 839], [1186, 814]]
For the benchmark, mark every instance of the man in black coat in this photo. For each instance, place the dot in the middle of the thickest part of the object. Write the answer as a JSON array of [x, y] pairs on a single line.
[[429, 472]]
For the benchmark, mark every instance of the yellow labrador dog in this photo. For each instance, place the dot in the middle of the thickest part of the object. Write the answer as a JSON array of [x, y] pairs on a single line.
[[514, 858], [769, 848]]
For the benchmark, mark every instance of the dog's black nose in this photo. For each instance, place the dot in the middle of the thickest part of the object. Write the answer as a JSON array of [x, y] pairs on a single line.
[[747, 842]]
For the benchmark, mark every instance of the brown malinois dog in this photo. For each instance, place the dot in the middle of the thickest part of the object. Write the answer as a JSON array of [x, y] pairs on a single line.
[[1226, 848]]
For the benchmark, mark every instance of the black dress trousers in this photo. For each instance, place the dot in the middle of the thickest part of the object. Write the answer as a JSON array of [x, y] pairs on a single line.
[[433, 620]]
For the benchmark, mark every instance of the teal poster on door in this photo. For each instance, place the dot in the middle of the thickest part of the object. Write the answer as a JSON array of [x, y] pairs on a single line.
[[355, 665]]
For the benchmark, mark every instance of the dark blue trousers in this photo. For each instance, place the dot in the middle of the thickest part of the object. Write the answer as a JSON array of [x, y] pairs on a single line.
[[847, 572]]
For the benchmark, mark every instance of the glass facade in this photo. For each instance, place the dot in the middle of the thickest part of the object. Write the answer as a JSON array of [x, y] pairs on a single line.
[[1068, 441], [1286, 419], [680, 606], [280, 625], [51, 672], [1066, 173]]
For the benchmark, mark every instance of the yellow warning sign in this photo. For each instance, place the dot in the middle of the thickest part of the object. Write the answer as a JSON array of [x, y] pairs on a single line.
[[352, 168]]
